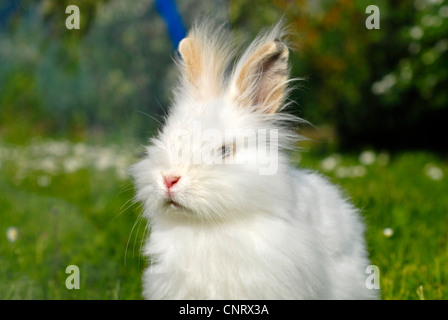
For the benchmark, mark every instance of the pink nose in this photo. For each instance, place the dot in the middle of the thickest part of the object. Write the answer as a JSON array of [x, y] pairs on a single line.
[[170, 181]]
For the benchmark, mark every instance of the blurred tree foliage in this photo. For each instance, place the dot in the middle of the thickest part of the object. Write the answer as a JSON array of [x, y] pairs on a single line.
[[100, 79], [382, 88], [112, 77]]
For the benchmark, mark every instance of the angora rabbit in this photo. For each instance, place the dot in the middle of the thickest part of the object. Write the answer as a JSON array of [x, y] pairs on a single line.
[[230, 218]]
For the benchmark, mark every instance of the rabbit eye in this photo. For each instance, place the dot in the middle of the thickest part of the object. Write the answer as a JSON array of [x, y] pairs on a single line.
[[225, 151]]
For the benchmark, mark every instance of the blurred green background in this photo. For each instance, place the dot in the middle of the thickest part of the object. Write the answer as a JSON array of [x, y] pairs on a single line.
[[77, 105]]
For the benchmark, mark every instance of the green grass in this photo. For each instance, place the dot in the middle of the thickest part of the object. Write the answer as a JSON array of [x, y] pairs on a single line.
[[68, 217], [69, 205]]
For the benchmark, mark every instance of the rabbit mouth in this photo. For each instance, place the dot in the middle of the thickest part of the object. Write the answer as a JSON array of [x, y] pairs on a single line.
[[171, 202]]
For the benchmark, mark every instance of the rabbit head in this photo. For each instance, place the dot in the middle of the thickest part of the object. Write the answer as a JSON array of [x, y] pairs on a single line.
[[221, 153]]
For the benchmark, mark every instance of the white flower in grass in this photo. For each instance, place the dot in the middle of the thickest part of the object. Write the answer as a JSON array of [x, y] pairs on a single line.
[[350, 172], [358, 171], [80, 149], [342, 172], [48, 165], [43, 181], [367, 157], [12, 233], [330, 163], [57, 148], [388, 232], [105, 159], [433, 172], [72, 164]]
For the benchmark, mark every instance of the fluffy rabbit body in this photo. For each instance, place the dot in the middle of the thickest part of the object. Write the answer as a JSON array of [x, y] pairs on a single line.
[[223, 229]]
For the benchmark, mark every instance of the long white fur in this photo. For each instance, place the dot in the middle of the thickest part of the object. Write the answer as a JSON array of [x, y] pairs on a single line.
[[239, 234]]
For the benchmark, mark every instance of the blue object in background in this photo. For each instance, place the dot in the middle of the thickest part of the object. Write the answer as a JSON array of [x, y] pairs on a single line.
[[168, 10], [7, 8]]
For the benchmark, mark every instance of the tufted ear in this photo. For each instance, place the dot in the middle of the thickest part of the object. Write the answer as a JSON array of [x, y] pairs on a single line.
[[190, 50], [261, 76], [205, 54]]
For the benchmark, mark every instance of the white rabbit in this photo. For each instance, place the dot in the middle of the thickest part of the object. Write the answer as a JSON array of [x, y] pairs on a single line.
[[220, 228]]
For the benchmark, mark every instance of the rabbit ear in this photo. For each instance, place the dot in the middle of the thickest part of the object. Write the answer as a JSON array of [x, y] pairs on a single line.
[[205, 56], [190, 51], [261, 76]]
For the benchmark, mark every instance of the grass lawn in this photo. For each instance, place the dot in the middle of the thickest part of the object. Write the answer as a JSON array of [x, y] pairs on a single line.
[[64, 203]]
